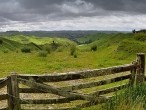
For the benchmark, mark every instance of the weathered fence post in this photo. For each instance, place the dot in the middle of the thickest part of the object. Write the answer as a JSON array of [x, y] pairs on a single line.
[[14, 100], [140, 71], [9, 90], [133, 74]]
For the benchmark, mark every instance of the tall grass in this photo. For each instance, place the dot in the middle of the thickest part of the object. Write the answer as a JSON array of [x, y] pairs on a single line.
[[133, 98]]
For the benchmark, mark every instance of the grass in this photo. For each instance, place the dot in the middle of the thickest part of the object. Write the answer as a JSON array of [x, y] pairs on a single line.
[[31, 63], [39, 40], [133, 98], [112, 49]]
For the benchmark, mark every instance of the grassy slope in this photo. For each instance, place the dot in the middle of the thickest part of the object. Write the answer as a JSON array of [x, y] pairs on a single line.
[[15, 43], [119, 45], [14, 46], [38, 40], [9, 45], [92, 37], [112, 49]]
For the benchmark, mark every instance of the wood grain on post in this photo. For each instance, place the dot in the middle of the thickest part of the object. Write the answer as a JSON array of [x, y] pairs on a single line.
[[9, 90], [12, 88], [140, 71], [133, 74], [15, 92]]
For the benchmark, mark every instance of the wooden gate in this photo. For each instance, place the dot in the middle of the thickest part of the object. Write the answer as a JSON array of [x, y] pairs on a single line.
[[78, 89]]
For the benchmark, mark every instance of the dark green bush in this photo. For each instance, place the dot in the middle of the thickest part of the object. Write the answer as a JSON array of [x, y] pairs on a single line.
[[140, 36], [1, 41], [72, 50], [54, 46], [75, 56], [17, 51], [5, 51], [26, 50], [48, 49], [43, 53], [60, 49], [94, 47]]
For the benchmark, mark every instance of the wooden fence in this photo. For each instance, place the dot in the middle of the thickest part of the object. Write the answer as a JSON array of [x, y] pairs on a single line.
[[41, 84]]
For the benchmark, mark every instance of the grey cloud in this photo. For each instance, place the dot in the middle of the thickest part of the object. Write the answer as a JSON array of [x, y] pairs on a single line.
[[54, 10], [76, 8], [137, 6], [108, 4], [36, 9], [38, 3]]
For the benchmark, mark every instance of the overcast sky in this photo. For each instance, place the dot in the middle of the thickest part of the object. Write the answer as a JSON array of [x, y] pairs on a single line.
[[27, 15]]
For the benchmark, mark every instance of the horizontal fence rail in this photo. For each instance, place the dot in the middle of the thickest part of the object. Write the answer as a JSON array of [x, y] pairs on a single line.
[[79, 75], [3, 82], [17, 85], [74, 87]]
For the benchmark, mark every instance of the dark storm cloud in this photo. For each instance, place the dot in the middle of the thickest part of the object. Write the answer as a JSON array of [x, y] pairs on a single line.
[[108, 4], [29, 11], [37, 9], [137, 6], [38, 3], [48, 6]]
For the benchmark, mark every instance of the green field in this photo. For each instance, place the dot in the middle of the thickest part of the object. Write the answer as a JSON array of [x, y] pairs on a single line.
[[111, 49], [45, 55]]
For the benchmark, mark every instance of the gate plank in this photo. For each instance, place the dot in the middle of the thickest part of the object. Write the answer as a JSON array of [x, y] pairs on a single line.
[[3, 82], [95, 83], [79, 86], [109, 90], [79, 75], [50, 89], [3, 108], [3, 96], [47, 101]]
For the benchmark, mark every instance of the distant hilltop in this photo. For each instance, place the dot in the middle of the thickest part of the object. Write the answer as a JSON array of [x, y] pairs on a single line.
[[140, 31]]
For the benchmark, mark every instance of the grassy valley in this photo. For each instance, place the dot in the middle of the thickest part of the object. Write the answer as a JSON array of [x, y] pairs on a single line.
[[24, 54], [51, 55]]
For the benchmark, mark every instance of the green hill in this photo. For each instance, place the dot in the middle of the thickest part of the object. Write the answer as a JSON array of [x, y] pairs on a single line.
[[17, 42], [121, 46], [39, 40], [9, 45], [111, 49], [116, 43]]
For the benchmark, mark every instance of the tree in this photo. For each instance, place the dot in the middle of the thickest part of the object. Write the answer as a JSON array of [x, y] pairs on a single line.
[[133, 31]]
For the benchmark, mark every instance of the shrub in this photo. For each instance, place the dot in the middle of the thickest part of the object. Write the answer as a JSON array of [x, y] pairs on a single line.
[[1, 41], [43, 53], [54, 46], [140, 36], [48, 49], [17, 51], [94, 47], [60, 49], [75, 56], [26, 50], [5, 51], [72, 50]]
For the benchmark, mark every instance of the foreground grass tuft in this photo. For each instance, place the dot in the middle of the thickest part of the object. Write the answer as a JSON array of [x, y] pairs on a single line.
[[132, 98]]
